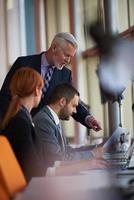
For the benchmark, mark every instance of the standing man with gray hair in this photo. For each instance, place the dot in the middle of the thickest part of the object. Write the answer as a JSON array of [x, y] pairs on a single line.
[[52, 65]]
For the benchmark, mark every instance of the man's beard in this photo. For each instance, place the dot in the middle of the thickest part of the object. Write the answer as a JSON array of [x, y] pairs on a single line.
[[58, 65], [63, 114]]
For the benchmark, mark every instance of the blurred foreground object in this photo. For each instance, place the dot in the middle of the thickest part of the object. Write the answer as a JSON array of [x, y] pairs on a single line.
[[116, 65], [89, 185]]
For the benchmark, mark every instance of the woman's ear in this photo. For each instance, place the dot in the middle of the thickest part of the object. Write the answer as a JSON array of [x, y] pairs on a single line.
[[36, 92], [62, 102]]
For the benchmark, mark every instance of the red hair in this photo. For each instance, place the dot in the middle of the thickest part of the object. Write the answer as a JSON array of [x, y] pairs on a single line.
[[23, 84]]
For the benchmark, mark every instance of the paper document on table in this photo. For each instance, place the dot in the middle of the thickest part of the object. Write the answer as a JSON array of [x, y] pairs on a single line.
[[114, 138]]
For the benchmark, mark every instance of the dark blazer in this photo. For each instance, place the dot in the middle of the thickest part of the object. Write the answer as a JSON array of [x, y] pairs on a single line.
[[59, 77], [49, 134], [21, 135]]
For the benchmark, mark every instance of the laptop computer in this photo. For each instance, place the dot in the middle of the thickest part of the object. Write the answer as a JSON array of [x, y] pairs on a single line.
[[130, 157], [119, 159]]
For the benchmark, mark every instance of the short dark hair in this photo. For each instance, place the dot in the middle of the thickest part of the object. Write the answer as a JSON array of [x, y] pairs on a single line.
[[64, 90]]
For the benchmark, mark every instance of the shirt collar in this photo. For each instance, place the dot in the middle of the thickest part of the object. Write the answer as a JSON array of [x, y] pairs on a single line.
[[55, 116], [44, 61]]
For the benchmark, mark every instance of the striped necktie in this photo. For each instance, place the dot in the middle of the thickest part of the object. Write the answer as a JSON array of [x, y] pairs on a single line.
[[48, 77]]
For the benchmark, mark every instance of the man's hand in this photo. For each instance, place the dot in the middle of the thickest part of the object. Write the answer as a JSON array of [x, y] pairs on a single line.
[[98, 164], [98, 152], [93, 123]]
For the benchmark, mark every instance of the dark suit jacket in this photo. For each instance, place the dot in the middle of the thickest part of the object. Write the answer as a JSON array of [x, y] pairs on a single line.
[[49, 134], [25, 144], [59, 77]]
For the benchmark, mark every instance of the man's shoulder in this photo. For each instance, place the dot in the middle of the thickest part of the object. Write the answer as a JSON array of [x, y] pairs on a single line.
[[44, 119], [33, 61], [43, 113], [27, 57]]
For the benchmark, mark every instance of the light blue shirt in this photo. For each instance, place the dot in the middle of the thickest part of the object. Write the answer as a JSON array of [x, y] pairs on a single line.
[[44, 65]]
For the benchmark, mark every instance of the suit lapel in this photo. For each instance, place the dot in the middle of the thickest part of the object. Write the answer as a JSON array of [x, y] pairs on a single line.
[[60, 137], [37, 63], [49, 114]]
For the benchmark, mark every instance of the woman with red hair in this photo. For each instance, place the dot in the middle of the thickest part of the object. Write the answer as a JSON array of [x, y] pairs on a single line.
[[26, 89]]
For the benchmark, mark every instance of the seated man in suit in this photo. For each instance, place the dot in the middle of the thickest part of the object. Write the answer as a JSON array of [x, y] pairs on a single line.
[[62, 104], [52, 65]]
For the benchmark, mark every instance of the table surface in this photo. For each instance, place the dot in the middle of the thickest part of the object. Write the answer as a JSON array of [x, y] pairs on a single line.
[[93, 184]]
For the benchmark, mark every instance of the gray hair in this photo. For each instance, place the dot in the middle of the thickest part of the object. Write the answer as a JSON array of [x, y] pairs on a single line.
[[63, 37]]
